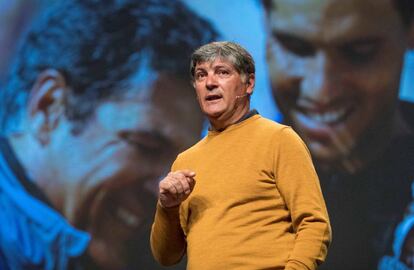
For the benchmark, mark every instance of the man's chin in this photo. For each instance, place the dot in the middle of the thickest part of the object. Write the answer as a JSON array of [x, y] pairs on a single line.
[[324, 156], [103, 256], [213, 115], [118, 243]]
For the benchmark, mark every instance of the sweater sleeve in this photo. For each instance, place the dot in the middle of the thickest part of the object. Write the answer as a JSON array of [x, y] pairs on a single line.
[[299, 185], [167, 238]]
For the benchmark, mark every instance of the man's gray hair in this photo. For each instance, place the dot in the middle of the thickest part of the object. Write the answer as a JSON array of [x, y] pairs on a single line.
[[239, 57]]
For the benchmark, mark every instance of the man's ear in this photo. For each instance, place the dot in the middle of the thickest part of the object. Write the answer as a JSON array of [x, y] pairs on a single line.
[[251, 80], [46, 104]]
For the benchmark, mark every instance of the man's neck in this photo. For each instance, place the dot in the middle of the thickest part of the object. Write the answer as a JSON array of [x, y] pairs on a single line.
[[32, 159], [216, 125], [20, 172]]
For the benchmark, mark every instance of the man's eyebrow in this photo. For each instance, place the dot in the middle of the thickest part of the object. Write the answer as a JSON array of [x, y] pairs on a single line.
[[149, 136], [288, 36], [227, 66], [345, 41], [223, 66]]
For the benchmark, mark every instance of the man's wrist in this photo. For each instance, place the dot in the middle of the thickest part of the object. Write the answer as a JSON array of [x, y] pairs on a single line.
[[168, 208]]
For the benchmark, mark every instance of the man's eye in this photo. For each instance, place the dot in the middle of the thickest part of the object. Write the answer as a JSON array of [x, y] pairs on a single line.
[[146, 142], [295, 45], [360, 53], [223, 72], [199, 76]]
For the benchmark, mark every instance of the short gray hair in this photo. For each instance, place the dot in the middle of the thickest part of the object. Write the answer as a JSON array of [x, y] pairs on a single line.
[[226, 50]]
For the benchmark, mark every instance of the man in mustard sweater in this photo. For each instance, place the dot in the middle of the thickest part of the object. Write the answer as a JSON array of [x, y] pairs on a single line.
[[246, 196]]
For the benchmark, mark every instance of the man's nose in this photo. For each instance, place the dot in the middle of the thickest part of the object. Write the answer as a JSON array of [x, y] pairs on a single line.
[[211, 82], [319, 82]]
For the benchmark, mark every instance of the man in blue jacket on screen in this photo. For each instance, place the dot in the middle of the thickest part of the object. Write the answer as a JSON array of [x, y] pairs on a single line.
[[96, 107]]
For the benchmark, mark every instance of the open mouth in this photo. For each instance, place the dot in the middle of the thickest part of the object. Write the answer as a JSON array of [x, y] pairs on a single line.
[[131, 209], [119, 221], [128, 218], [327, 117], [213, 97]]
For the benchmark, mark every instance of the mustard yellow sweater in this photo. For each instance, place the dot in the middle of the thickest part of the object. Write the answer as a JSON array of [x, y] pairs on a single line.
[[257, 203]]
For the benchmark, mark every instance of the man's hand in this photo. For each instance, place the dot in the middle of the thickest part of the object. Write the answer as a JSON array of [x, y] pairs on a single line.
[[176, 187]]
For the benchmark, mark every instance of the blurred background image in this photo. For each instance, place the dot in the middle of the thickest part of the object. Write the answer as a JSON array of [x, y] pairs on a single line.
[[96, 102]]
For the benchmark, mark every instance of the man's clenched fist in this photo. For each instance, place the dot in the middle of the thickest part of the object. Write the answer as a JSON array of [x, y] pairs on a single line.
[[176, 187]]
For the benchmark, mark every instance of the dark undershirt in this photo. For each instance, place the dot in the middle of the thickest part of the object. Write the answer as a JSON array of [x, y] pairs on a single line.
[[20, 174], [244, 117]]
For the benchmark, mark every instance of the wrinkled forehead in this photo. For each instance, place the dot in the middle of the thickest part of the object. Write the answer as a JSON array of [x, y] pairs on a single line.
[[215, 61], [332, 18]]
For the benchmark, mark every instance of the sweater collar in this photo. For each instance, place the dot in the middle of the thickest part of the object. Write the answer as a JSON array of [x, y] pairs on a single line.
[[244, 117]]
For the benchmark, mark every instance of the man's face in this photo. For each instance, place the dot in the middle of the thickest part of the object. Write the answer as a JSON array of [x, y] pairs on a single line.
[[112, 167], [335, 68], [221, 89]]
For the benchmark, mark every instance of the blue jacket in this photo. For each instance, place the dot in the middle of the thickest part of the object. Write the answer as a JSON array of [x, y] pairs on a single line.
[[32, 234]]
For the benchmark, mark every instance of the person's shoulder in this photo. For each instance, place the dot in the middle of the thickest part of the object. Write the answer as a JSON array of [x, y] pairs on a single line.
[[276, 129], [271, 125], [192, 149], [280, 132]]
